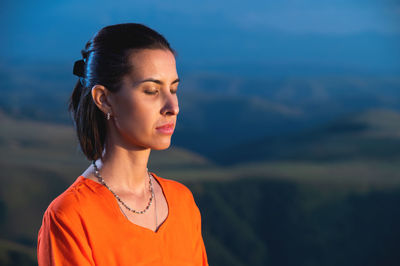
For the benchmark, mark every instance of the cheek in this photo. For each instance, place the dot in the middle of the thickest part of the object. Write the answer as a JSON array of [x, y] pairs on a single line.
[[135, 116]]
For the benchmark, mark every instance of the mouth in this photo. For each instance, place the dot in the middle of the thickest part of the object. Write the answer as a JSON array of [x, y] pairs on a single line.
[[167, 129]]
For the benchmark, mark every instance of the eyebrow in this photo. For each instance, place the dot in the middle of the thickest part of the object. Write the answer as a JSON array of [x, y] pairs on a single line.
[[158, 81]]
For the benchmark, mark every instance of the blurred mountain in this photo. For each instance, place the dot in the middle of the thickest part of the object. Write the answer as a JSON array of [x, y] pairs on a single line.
[[36, 91], [373, 135], [255, 221], [339, 91], [12, 254], [210, 121], [225, 111]]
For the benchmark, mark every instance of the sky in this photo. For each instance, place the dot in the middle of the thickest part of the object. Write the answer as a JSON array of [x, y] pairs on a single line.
[[347, 34]]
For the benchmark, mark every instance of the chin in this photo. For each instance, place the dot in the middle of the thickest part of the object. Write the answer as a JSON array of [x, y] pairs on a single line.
[[161, 146]]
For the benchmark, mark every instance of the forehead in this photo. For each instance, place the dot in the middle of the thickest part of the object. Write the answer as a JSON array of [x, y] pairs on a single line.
[[153, 63]]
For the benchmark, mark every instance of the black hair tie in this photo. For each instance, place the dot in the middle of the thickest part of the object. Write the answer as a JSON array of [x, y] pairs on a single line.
[[79, 68]]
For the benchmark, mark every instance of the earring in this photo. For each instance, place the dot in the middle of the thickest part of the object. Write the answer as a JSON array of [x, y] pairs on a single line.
[[108, 116]]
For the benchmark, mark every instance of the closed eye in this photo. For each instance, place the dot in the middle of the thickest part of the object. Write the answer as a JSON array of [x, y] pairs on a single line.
[[151, 92]]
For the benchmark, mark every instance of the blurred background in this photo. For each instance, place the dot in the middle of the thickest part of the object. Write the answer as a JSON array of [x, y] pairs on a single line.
[[288, 136]]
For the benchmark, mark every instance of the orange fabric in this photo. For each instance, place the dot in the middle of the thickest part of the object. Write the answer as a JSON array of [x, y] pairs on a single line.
[[84, 226]]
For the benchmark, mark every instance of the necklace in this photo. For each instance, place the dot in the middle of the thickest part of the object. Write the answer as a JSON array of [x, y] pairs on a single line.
[[101, 180]]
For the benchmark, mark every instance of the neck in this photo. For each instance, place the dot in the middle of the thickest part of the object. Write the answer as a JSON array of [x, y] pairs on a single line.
[[125, 170]]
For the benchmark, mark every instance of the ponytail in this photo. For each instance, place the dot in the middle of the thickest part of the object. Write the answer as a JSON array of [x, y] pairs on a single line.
[[89, 122]]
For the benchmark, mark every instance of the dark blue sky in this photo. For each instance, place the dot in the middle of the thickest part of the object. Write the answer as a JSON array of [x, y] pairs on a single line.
[[347, 34]]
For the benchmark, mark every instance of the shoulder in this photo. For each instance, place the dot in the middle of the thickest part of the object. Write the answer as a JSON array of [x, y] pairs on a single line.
[[178, 195], [73, 200], [62, 237], [181, 199], [174, 187]]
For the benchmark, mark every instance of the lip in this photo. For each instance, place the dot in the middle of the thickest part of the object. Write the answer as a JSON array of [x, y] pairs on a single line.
[[167, 129]]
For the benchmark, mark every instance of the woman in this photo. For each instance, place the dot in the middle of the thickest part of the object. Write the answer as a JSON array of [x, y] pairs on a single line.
[[117, 213]]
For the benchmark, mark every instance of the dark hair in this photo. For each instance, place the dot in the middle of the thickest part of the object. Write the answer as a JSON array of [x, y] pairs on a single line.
[[105, 62]]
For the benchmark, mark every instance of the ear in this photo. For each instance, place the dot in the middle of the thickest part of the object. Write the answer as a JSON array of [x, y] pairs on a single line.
[[100, 96]]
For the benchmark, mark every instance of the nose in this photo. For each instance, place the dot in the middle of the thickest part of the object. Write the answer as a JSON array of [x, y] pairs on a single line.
[[171, 106]]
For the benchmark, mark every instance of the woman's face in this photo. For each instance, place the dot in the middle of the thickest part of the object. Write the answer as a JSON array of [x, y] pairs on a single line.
[[145, 108]]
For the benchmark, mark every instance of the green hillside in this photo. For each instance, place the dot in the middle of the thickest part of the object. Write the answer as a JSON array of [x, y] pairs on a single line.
[[256, 221], [370, 135], [12, 254], [209, 122]]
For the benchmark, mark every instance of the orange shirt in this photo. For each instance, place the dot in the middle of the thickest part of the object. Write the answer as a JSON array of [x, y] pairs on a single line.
[[85, 226]]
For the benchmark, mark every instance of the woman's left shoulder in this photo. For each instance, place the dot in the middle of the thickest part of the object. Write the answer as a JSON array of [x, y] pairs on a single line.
[[174, 187]]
